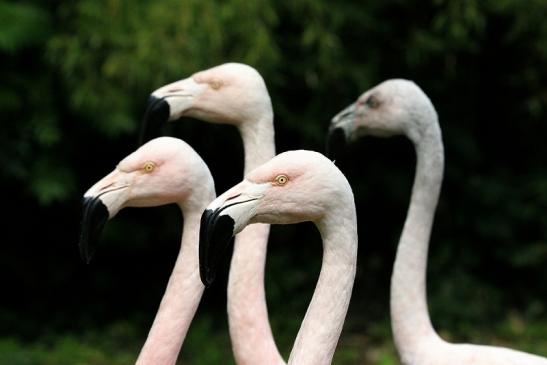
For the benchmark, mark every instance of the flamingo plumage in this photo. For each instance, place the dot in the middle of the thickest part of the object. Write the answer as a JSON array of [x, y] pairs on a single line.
[[233, 94], [293, 187], [400, 107], [163, 171]]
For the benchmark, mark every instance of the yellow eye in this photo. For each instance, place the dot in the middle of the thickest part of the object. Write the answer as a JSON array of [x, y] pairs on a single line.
[[281, 180], [149, 167]]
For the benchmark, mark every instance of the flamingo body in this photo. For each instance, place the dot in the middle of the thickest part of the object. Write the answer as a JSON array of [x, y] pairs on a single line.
[[400, 107]]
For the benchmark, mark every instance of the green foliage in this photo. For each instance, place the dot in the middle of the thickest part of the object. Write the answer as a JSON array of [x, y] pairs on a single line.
[[109, 50], [51, 182], [118, 344], [22, 26], [206, 345], [63, 351]]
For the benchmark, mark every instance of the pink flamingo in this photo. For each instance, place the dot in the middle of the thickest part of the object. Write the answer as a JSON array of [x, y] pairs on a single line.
[[294, 187], [163, 171], [398, 107], [233, 94]]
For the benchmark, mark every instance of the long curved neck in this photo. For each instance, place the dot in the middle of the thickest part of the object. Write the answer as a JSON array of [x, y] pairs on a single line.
[[320, 330], [409, 313], [250, 332], [180, 301], [258, 141]]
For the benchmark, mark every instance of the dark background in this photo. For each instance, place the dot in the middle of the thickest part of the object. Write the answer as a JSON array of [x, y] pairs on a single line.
[[75, 80]]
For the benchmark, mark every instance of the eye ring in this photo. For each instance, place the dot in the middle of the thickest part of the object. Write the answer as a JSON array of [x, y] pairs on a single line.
[[372, 102], [281, 180], [149, 167]]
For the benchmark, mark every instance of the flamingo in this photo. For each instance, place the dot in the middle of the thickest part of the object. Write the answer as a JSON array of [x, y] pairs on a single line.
[[293, 187], [234, 94], [163, 171], [400, 107]]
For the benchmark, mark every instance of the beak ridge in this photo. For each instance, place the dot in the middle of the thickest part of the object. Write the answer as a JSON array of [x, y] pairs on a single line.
[[226, 216], [339, 132]]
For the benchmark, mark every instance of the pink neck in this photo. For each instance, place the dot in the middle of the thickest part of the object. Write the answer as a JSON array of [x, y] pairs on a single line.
[[250, 332], [179, 303], [322, 325]]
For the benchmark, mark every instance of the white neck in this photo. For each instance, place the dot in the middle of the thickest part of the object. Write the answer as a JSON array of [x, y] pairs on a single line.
[[258, 141], [180, 301], [409, 314], [320, 330], [250, 331]]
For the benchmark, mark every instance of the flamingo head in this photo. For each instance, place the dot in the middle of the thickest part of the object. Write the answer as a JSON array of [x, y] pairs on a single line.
[[232, 93], [292, 187], [163, 171], [394, 107]]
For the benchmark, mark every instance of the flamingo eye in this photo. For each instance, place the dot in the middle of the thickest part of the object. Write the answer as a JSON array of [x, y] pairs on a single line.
[[149, 167], [280, 180], [372, 102]]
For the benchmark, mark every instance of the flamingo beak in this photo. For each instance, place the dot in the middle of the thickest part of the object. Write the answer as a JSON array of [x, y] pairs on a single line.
[[336, 143], [100, 203], [340, 131], [168, 103], [226, 216], [155, 117], [215, 234], [95, 215]]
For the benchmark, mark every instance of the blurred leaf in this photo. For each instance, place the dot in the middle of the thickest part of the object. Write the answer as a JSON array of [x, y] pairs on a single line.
[[22, 25], [51, 182]]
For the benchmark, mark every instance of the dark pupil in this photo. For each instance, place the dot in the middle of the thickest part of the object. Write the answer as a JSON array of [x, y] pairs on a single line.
[[371, 101]]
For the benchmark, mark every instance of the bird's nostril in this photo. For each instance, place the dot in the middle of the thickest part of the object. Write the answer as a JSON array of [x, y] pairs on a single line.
[[106, 186], [346, 114], [233, 196]]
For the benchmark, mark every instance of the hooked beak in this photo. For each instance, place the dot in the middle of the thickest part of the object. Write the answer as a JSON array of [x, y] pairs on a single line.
[[340, 131], [168, 103], [226, 216], [94, 218], [156, 115], [100, 203]]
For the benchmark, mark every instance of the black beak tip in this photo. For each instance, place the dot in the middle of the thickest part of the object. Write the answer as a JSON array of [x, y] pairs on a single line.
[[207, 276], [336, 143], [95, 215], [215, 234], [204, 243], [156, 115]]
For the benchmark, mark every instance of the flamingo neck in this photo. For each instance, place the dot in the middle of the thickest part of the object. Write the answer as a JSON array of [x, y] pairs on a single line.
[[179, 302], [410, 320], [258, 141], [250, 331], [320, 330]]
